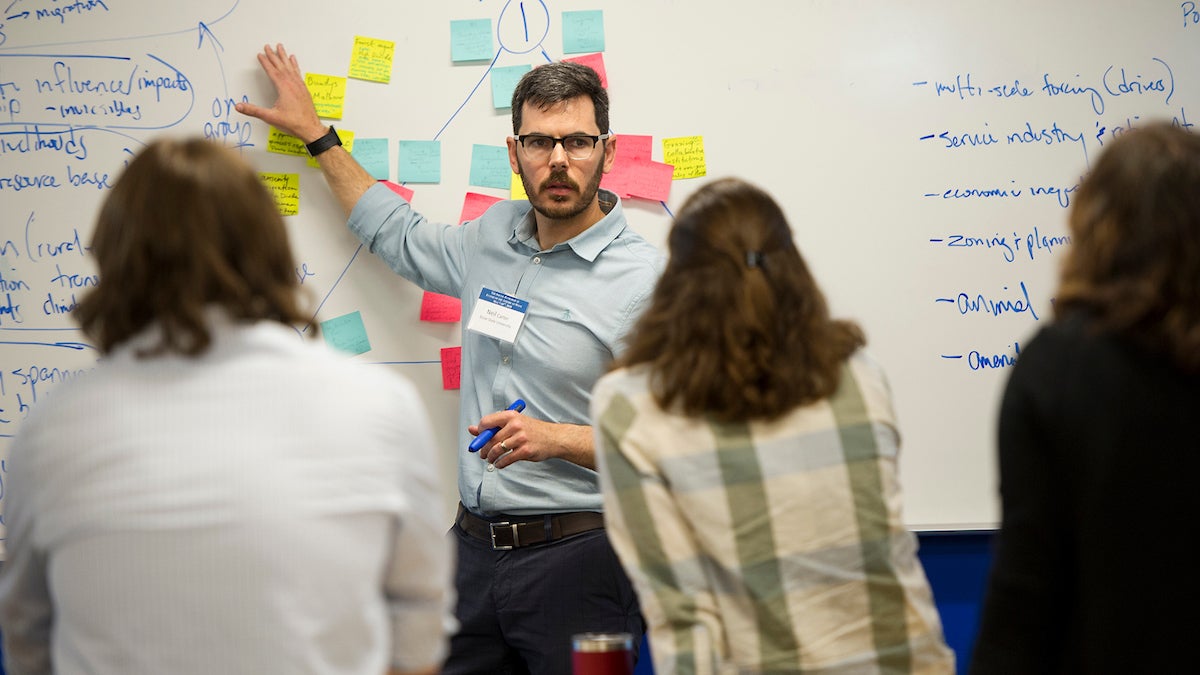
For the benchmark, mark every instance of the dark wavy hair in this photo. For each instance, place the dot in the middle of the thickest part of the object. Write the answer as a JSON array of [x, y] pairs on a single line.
[[553, 83], [188, 225], [1134, 261], [737, 328]]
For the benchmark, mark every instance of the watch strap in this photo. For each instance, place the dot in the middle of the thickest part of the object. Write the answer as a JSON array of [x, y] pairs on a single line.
[[323, 143]]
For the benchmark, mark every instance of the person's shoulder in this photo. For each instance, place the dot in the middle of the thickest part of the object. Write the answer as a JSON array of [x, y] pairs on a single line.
[[1058, 341], [651, 258], [873, 385], [626, 384]]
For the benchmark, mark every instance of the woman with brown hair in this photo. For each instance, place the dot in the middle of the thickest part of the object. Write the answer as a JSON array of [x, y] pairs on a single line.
[[218, 495], [748, 462], [1097, 435]]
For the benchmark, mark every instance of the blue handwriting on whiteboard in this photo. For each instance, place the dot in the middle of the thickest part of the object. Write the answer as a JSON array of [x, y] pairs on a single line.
[[52, 249], [33, 138], [977, 360], [1033, 243], [61, 11], [1051, 135], [981, 304], [1061, 194], [1114, 81], [33, 375]]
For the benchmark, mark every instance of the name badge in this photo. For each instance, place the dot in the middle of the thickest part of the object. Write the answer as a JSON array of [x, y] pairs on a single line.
[[498, 315]]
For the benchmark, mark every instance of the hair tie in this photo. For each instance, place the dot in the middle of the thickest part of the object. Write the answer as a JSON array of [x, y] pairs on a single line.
[[754, 259]]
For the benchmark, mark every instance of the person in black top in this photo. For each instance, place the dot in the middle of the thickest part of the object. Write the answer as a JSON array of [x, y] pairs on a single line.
[[1098, 448]]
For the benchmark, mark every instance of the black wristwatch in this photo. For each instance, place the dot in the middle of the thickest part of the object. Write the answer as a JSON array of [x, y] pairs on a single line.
[[323, 143]]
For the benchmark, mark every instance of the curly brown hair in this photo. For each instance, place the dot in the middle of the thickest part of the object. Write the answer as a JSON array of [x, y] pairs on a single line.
[[188, 225], [1134, 261], [737, 328]]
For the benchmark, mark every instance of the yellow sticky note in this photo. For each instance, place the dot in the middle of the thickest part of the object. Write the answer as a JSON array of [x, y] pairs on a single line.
[[328, 93], [286, 189], [347, 143], [686, 154], [372, 59], [517, 191], [285, 144]]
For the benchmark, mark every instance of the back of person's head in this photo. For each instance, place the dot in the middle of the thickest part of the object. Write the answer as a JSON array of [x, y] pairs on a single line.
[[552, 83], [737, 328], [1134, 259], [187, 226]]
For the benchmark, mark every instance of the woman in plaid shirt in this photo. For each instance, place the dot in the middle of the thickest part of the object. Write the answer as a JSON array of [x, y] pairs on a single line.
[[747, 453]]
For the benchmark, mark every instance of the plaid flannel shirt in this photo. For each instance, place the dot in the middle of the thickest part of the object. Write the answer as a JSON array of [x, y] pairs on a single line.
[[769, 546]]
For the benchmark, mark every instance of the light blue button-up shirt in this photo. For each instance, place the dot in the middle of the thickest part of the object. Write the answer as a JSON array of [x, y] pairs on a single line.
[[584, 295]]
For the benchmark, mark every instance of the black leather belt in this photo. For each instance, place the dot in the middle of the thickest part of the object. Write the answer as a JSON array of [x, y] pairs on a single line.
[[517, 531]]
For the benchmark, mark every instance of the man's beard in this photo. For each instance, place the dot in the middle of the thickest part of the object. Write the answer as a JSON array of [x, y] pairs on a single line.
[[561, 209]]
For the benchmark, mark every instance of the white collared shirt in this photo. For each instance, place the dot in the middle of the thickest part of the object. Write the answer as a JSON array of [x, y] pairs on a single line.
[[267, 507]]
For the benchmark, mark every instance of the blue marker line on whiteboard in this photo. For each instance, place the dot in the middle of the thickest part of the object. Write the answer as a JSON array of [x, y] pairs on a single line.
[[486, 435]]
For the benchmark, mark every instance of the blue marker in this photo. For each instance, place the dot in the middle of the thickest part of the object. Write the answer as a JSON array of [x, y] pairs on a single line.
[[486, 435]]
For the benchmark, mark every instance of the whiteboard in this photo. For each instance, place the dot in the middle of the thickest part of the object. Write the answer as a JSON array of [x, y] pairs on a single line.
[[925, 153]]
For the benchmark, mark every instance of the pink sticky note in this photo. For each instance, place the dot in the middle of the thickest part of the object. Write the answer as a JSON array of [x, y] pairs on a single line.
[[440, 308], [451, 367], [399, 189], [642, 179], [596, 63], [634, 148], [617, 180], [474, 204], [653, 181]]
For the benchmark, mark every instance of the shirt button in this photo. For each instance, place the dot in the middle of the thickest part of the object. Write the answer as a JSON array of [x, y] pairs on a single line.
[[491, 467], [504, 360], [537, 260]]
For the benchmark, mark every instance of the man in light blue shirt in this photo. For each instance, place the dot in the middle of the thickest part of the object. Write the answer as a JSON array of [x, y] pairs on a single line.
[[549, 288]]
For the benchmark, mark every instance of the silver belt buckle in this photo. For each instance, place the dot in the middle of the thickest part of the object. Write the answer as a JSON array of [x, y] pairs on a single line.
[[513, 529]]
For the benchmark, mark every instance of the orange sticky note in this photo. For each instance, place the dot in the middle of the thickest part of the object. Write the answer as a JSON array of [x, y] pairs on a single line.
[[451, 367], [440, 308], [399, 189], [474, 204]]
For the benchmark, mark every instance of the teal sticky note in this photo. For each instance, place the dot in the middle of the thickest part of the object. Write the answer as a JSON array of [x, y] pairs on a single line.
[[346, 333], [504, 80], [489, 167], [419, 162], [583, 32], [471, 40], [372, 154]]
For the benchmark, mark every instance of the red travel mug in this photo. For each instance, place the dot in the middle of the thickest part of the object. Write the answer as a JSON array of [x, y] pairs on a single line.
[[602, 654]]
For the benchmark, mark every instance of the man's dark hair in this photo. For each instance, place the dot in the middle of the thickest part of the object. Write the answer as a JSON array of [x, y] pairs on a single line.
[[556, 82]]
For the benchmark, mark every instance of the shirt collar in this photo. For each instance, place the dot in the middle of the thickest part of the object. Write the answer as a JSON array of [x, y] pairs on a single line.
[[587, 244]]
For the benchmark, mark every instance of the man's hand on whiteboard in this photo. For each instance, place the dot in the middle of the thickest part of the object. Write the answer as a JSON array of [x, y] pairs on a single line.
[[523, 438], [293, 111]]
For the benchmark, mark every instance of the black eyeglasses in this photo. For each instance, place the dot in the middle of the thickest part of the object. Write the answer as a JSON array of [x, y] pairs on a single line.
[[577, 146]]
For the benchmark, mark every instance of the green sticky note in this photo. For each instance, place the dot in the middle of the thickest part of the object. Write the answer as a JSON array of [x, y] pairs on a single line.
[[583, 32], [471, 40], [372, 154], [504, 80], [346, 333], [489, 166], [419, 162]]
